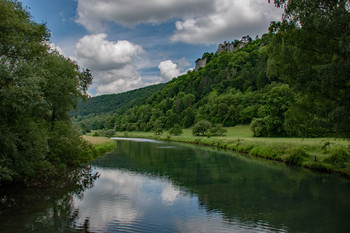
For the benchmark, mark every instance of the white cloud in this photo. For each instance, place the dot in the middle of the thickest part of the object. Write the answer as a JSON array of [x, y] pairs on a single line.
[[230, 19], [95, 52], [116, 81], [93, 14], [111, 63], [199, 21], [168, 70], [54, 47]]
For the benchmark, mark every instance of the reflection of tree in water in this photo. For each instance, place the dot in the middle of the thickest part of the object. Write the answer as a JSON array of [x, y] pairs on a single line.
[[49, 209], [242, 188]]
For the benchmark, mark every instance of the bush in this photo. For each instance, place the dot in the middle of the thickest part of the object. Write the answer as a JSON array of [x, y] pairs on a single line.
[[201, 128], [296, 156], [218, 130], [258, 127], [158, 131], [338, 156], [109, 133], [176, 130]]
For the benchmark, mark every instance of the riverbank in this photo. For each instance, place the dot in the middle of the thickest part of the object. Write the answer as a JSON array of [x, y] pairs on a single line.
[[323, 154], [101, 145]]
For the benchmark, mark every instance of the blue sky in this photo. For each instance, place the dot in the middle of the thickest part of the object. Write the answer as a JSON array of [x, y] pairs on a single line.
[[129, 44]]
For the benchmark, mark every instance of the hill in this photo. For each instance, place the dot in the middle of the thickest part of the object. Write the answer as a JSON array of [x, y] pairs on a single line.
[[115, 103], [229, 89]]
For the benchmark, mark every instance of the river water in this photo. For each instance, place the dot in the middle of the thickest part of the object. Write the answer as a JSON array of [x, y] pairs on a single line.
[[148, 186]]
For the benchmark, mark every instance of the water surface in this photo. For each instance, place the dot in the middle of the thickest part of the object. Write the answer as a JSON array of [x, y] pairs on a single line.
[[168, 187]]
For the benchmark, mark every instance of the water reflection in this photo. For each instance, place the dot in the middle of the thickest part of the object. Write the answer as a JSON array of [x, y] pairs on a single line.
[[167, 187], [126, 201], [45, 209], [243, 191]]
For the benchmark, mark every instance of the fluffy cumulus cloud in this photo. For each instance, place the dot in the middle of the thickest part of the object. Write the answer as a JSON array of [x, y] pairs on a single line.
[[111, 63], [229, 19], [168, 70], [98, 53], [94, 13], [200, 21]]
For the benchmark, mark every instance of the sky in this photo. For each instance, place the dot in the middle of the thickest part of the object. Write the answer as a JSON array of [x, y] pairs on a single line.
[[129, 44]]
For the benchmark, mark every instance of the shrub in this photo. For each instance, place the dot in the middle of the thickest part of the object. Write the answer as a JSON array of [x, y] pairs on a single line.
[[338, 156], [110, 133], [258, 127], [296, 156], [176, 130], [158, 131], [218, 130], [201, 128]]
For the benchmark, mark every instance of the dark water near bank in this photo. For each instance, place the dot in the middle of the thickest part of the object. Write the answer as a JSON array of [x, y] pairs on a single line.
[[166, 187]]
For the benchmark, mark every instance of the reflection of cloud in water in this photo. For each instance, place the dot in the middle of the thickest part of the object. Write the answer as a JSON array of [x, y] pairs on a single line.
[[213, 224], [169, 194], [135, 139], [115, 196], [124, 197]]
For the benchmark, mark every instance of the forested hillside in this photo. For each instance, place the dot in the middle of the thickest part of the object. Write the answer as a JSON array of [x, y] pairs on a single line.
[[294, 81], [115, 103]]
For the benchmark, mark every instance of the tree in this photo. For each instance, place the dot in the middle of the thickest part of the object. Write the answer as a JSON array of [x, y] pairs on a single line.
[[272, 113], [201, 128], [310, 49], [176, 130], [37, 89]]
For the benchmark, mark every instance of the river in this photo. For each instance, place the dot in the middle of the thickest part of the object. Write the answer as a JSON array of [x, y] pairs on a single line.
[[149, 186]]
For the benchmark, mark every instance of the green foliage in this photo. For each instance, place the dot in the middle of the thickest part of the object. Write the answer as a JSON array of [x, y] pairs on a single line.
[[292, 82], [272, 114], [96, 134], [176, 130], [217, 130], [38, 88], [269, 152], [227, 91], [201, 128], [109, 133], [310, 50], [115, 103], [296, 156], [158, 127], [338, 156], [258, 127]]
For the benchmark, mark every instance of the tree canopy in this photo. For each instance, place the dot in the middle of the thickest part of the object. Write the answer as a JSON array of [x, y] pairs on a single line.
[[310, 49], [37, 89]]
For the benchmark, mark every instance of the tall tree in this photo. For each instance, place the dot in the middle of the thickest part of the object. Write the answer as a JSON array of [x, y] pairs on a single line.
[[311, 49], [37, 89]]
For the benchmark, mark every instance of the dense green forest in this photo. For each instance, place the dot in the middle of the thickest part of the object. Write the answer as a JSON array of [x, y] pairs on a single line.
[[116, 103], [38, 87], [294, 81]]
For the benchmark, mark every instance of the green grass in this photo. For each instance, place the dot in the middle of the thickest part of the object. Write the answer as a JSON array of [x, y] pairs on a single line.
[[101, 145], [96, 140], [311, 153]]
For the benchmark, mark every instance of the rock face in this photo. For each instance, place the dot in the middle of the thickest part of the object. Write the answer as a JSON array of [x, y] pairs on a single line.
[[200, 63], [229, 47], [233, 46]]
